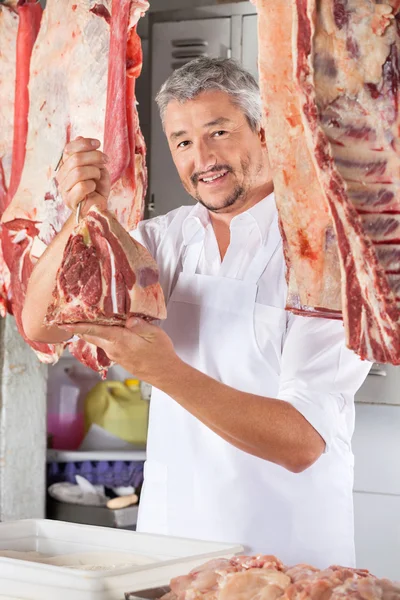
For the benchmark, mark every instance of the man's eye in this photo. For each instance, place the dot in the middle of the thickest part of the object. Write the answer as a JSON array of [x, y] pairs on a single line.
[[183, 144], [219, 133]]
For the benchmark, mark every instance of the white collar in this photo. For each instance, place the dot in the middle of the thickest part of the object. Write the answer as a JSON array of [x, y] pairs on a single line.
[[261, 213]]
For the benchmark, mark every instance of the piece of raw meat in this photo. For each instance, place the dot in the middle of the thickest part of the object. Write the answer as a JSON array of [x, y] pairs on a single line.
[[331, 107], [258, 584], [82, 81], [105, 277], [16, 246], [367, 589], [204, 578], [308, 582], [208, 580], [19, 26], [339, 582]]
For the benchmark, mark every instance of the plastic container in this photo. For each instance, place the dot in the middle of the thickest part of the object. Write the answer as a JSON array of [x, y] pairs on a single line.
[[166, 557], [118, 407], [68, 385]]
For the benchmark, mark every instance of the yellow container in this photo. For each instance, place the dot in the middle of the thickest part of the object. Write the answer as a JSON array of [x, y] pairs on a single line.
[[119, 408]]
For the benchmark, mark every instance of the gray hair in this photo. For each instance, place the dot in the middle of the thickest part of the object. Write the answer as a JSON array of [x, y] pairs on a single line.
[[210, 74]]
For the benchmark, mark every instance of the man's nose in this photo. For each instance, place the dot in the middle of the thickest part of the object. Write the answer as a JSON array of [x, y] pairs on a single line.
[[204, 157]]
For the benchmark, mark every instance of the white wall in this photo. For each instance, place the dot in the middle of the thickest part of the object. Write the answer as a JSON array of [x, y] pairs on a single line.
[[376, 446]]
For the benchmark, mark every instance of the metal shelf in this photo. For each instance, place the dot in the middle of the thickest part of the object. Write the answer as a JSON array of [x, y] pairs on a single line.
[[124, 518], [62, 456]]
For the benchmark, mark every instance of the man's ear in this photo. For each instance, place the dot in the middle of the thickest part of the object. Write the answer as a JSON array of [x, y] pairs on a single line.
[[261, 135]]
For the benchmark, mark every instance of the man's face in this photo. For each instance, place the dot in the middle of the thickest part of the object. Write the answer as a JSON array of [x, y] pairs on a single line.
[[219, 158]]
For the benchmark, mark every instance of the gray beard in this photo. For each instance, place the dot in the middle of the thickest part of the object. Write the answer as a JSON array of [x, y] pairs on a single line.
[[237, 193]]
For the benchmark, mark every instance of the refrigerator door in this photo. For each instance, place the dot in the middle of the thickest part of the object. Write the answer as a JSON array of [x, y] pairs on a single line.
[[250, 44]]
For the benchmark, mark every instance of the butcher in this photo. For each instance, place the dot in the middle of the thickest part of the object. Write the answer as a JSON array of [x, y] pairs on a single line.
[[252, 409]]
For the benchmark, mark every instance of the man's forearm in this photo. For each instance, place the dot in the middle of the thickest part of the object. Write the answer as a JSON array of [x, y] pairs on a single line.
[[40, 289], [265, 427]]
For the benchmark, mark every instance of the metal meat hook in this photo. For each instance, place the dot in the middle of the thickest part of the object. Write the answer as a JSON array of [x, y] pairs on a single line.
[[78, 208], [78, 212]]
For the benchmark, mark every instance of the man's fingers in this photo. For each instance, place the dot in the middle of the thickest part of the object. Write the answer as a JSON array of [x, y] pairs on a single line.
[[142, 328], [79, 160], [82, 159], [81, 144], [80, 174], [79, 193], [93, 339], [105, 332], [103, 184]]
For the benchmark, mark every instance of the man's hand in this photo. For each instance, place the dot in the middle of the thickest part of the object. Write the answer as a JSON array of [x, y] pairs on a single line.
[[141, 348], [83, 175]]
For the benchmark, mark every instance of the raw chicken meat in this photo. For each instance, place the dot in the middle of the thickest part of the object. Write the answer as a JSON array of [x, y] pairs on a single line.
[[105, 277], [229, 578], [82, 82], [266, 578], [258, 584], [331, 108]]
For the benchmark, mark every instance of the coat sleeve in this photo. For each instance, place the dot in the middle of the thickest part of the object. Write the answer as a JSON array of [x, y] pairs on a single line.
[[320, 376]]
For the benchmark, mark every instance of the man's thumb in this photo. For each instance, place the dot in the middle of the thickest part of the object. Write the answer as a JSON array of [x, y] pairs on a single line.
[[139, 326]]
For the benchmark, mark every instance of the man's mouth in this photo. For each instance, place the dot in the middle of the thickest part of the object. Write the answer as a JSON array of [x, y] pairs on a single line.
[[211, 178]]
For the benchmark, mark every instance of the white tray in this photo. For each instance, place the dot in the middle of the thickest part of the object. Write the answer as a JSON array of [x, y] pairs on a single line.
[[25, 580]]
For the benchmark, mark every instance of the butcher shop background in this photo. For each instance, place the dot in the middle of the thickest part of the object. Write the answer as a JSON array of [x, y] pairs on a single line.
[[172, 33]]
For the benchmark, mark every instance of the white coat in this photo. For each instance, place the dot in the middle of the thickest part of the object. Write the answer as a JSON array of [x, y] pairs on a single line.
[[235, 329]]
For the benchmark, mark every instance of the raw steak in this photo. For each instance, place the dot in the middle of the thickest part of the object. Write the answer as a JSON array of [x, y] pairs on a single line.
[[266, 578], [82, 81], [19, 26], [105, 277], [331, 108]]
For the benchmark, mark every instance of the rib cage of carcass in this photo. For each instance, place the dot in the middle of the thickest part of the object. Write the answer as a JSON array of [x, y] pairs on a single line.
[[82, 82], [329, 72]]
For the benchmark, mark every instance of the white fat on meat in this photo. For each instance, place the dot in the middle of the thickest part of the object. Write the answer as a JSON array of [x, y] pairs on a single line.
[[8, 37], [113, 283]]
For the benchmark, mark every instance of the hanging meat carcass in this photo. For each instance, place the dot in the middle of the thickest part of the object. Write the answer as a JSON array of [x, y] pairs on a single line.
[[8, 58], [19, 26], [331, 96], [8, 55], [83, 72]]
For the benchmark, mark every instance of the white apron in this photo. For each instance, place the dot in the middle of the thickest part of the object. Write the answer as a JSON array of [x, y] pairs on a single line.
[[197, 485]]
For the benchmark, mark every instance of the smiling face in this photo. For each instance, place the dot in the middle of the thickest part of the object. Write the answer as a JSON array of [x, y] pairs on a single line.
[[221, 161]]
